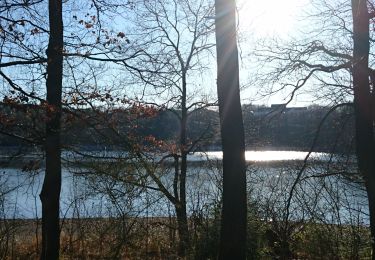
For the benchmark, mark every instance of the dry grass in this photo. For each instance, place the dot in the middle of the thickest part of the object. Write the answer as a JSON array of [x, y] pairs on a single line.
[[156, 238], [128, 238]]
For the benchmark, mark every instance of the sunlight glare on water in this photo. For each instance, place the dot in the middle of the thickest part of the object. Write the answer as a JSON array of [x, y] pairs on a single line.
[[265, 156], [278, 155]]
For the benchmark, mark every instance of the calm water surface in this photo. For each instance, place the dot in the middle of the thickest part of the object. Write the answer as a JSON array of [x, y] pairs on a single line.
[[99, 196]]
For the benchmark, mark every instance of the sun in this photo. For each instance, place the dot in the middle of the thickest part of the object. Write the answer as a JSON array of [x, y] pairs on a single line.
[[267, 18]]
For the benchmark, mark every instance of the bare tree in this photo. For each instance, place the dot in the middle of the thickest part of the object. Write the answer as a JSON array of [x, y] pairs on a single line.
[[50, 194], [233, 225], [364, 104], [335, 61], [175, 38], [23, 31]]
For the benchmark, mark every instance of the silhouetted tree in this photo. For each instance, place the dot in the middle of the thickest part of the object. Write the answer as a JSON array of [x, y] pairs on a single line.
[[364, 104], [50, 194], [233, 225], [337, 59], [175, 36]]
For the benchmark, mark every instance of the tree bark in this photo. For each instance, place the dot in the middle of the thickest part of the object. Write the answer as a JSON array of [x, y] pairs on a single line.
[[182, 229], [233, 225], [363, 104], [182, 220], [50, 194]]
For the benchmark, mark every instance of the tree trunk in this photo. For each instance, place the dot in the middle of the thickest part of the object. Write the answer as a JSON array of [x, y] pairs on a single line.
[[182, 229], [182, 221], [50, 194], [233, 225], [180, 205], [363, 105]]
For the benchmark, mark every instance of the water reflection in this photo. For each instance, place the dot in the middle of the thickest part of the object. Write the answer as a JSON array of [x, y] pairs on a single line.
[[263, 156], [99, 195]]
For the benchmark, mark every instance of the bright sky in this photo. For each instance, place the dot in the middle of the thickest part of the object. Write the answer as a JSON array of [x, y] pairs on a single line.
[[267, 18], [262, 19]]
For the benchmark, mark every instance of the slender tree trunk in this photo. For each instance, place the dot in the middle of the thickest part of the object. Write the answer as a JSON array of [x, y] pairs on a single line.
[[363, 105], [180, 206], [182, 220], [183, 230], [50, 193], [233, 225]]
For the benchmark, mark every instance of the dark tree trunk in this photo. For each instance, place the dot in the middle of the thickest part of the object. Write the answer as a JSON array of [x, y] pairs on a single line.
[[233, 225], [182, 221], [363, 105], [183, 230], [50, 194]]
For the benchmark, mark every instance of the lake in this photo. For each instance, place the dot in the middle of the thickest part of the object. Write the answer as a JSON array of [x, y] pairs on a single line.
[[332, 198]]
